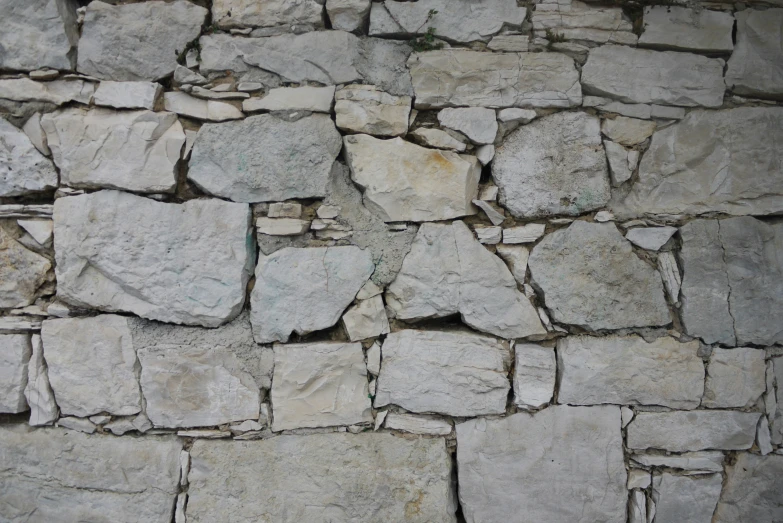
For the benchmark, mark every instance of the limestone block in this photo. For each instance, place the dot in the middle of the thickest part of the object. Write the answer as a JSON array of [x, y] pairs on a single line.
[[477, 123], [679, 431], [32, 128], [22, 273], [306, 98], [534, 375], [622, 162], [735, 378], [685, 498], [754, 489], [365, 109], [209, 110], [439, 139], [348, 15], [675, 27], [37, 34], [577, 21], [366, 319], [418, 424], [756, 65], [128, 95], [523, 234], [627, 131], [23, 169], [38, 391], [650, 238], [268, 13], [15, 352], [516, 257], [699, 462], [57, 92]]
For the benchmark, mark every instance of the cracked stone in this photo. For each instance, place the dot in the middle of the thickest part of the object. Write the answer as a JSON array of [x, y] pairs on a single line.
[[39, 394], [128, 95], [366, 319], [699, 462], [192, 107], [306, 98], [366, 109], [477, 123], [15, 353], [627, 131], [622, 162], [348, 15], [418, 424], [753, 491], [650, 238], [438, 139], [675, 27], [269, 13], [580, 22]]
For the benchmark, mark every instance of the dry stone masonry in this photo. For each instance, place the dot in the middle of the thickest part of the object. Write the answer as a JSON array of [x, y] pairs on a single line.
[[381, 261]]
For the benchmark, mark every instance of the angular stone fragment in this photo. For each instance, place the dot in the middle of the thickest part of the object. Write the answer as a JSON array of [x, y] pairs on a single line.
[[40, 398], [23, 170], [488, 235], [57, 92], [693, 462], [650, 238], [22, 272], [516, 257], [453, 373], [362, 469], [367, 319], [57, 475], [77, 424], [509, 43], [181, 263], [516, 465], [267, 13], [460, 77], [477, 123], [590, 276], [637, 507], [679, 431], [136, 41], [627, 131], [37, 34], [523, 234], [282, 226], [306, 98], [685, 498], [265, 158], [405, 182], [101, 148], [735, 378], [534, 375], [418, 424], [32, 128], [15, 352], [666, 78], [40, 230], [496, 217], [365, 109], [622, 162], [128, 95], [210, 110], [626, 370], [675, 27], [574, 20], [348, 15], [753, 491], [555, 165], [756, 65], [439, 139]]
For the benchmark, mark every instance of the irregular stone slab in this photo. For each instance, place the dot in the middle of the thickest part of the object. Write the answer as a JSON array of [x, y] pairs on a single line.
[[626, 370], [405, 182], [23, 170], [101, 148], [732, 287], [755, 68], [347, 15], [459, 77], [692, 462], [210, 110], [554, 165], [774, 399], [516, 257], [678, 431], [622, 162], [39, 394], [32, 128], [735, 378], [713, 161], [665, 78], [685, 498], [22, 273], [477, 123], [438, 139], [754, 490], [305, 290], [38, 34], [650, 238], [418, 424], [57, 92], [500, 478], [269, 13], [341, 396], [523, 234], [136, 41], [92, 365], [496, 217], [447, 272], [182, 263], [128, 95], [590, 276], [306, 98], [675, 27], [282, 226], [453, 20], [58, 475], [363, 470], [365, 109], [77, 424], [534, 375], [367, 319], [265, 158], [15, 352], [509, 43], [584, 23], [627, 131]]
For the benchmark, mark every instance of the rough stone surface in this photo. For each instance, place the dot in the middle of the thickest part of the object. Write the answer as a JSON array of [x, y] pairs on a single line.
[[209, 110], [57, 92], [756, 65], [182, 263], [679, 431], [650, 238], [438, 139], [753, 491], [501, 476], [418, 424], [555, 165], [306, 98], [675, 27], [269, 13], [699, 462], [38, 391], [627, 131], [32, 128], [37, 34], [454, 373], [735, 378], [516, 257], [348, 15], [590, 276], [622, 162], [15, 352], [576, 21], [22, 273], [128, 95], [685, 498], [477, 123], [367, 319], [23, 170], [365, 109], [534, 375]]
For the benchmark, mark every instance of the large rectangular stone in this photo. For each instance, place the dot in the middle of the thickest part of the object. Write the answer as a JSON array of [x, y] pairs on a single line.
[[756, 65], [679, 431], [681, 28]]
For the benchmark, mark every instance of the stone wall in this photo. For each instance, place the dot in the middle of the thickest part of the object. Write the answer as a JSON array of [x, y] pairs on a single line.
[[437, 261]]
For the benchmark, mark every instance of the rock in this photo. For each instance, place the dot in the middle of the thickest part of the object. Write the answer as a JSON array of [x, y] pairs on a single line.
[[627, 131], [101, 148], [348, 15], [640, 479], [305, 290], [679, 431], [685, 498], [622, 162], [754, 68], [44, 74], [665, 78], [452, 373], [128, 95], [763, 436], [210, 110], [285, 210], [40, 398], [215, 94], [374, 359], [523, 234], [555, 165], [494, 457], [306, 98], [477, 123], [137, 41], [590, 276], [418, 424], [604, 216], [509, 43], [517, 116], [363, 469], [674, 27], [366, 319], [637, 507], [606, 105], [32, 128], [23, 170], [77, 424], [534, 375], [488, 235], [494, 216], [22, 273], [670, 274], [485, 154], [438, 139], [732, 289], [573, 20], [753, 490], [650, 238], [708, 162], [626, 370], [700, 462], [775, 401], [447, 272], [515, 257], [664, 112], [183, 75], [265, 158], [38, 33], [68, 476], [328, 212], [100, 419], [270, 13], [341, 398], [57, 92], [15, 352], [182, 263], [459, 77], [282, 226], [427, 185], [365, 109], [735, 378]]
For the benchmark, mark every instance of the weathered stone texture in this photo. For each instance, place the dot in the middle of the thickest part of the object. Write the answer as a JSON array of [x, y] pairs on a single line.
[[685, 498], [38, 391], [23, 170], [735, 378], [756, 65], [22, 273], [681, 28], [365, 109], [56, 92], [305, 98], [348, 15], [128, 95], [753, 491], [15, 352], [535, 373], [577, 21], [679, 431], [268, 13]]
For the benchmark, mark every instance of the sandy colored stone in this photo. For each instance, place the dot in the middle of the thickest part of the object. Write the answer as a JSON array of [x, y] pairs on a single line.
[[37, 34], [438, 139], [22, 273], [627, 131], [577, 21]]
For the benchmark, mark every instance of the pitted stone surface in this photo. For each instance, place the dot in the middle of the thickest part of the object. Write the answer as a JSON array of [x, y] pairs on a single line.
[[23, 170], [38, 34]]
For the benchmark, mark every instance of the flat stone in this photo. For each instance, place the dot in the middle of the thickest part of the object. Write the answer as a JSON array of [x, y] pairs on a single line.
[[101, 148], [77, 424], [269, 13], [754, 68], [685, 498], [524, 233], [477, 123], [38, 33], [665, 78], [640, 479], [32, 128], [692, 462], [15, 352], [496, 217], [711, 162], [58, 475], [366, 319], [265, 158], [22, 273], [485, 154], [577, 21], [215, 94], [348, 15], [183, 75], [23, 169], [192, 107], [626, 370], [516, 257], [136, 41], [622, 162], [554, 165], [341, 396], [438, 139], [516, 115], [494, 459], [182, 263], [590, 276], [128, 95], [509, 43], [447, 272], [285, 210], [282, 226], [753, 491], [735, 378], [627, 131], [534, 375], [637, 507], [606, 105], [428, 185], [679, 431], [669, 113], [418, 424], [775, 400], [650, 238], [305, 290], [459, 77], [306, 98], [488, 235], [57, 92], [39, 394], [452, 373], [363, 470], [365, 109], [675, 27]]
